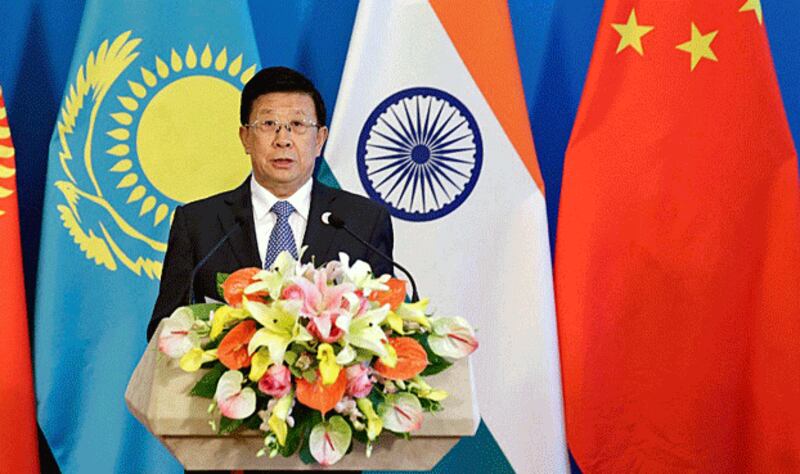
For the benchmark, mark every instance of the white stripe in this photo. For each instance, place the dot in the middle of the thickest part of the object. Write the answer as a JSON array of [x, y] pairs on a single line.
[[489, 259]]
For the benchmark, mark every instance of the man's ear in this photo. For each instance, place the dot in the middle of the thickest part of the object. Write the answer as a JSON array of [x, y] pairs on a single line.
[[322, 136], [243, 131]]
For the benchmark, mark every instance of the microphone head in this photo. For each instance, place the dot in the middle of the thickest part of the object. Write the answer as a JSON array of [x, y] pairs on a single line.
[[332, 220]]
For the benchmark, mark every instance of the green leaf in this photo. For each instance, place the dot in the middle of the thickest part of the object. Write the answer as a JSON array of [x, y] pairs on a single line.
[[221, 277], [360, 436], [252, 422], [203, 310], [290, 357], [310, 375], [430, 405], [376, 396], [228, 425], [206, 387], [296, 373], [213, 344], [305, 419], [305, 454], [436, 363], [363, 355]]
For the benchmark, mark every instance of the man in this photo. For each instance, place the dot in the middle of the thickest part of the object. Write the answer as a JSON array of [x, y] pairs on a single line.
[[279, 207]]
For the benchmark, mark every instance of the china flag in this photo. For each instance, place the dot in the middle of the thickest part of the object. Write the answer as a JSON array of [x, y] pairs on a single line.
[[678, 252], [18, 444]]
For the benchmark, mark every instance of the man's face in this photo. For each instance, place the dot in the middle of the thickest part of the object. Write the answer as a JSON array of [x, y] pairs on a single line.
[[283, 160]]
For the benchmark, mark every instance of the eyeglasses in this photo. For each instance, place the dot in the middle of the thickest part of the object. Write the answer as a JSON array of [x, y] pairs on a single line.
[[272, 126]]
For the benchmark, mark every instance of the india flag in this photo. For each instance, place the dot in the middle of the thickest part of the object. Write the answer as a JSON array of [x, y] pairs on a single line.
[[431, 122]]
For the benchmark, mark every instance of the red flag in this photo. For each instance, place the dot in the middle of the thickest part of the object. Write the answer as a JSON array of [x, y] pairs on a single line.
[[678, 251], [18, 443]]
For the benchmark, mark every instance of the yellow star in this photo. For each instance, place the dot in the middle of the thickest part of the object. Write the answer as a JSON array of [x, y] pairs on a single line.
[[699, 46], [631, 33], [753, 6]]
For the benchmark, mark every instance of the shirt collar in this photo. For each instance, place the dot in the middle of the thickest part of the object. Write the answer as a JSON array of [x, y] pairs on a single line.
[[263, 199]]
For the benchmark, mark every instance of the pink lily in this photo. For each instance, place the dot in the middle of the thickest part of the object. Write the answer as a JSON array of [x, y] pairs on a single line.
[[322, 304]]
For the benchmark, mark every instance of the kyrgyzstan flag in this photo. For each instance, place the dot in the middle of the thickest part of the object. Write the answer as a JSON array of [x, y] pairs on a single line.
[[18, 445], [678, 252]]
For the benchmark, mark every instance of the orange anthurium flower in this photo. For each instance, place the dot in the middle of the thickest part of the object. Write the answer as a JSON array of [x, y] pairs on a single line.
[[394, 296], [319, 396], [234, 285], [232, 351], [411, 359]]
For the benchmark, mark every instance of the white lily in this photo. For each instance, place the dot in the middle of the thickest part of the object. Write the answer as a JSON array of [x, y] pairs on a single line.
[[365, 331], [281, 327], [274, 279], [360, 274]]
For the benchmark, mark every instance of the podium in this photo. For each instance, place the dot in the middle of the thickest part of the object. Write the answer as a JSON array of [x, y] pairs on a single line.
[[158, 396]]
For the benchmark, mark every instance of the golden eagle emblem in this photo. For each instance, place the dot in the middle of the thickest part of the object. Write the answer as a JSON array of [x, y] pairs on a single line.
[[136, 138]]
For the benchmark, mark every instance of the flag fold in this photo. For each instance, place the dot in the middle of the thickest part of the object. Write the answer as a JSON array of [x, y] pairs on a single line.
[[430, 121], [677, 257], [148, 122]]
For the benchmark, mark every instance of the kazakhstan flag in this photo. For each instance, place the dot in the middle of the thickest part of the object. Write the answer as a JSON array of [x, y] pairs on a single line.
[[148, 121]]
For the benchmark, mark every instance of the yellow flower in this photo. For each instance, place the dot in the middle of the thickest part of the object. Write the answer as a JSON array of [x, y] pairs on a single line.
[[277, 421], [192, 360], [395, 322], [436, 395], [259, 364], [426, 391], [374, 423], [390, 359], [222, 316], [415, 312], [328, 366]]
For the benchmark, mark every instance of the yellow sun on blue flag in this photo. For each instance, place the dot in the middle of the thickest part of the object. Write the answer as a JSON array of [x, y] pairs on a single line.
[[148, 121]]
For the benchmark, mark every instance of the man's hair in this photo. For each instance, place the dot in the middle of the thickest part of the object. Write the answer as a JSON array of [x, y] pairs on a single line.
[[279, 79]]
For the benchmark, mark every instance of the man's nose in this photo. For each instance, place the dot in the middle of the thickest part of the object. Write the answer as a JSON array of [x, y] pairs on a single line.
[[283, 138]]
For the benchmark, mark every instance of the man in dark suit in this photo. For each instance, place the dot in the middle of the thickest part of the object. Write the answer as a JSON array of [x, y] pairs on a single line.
[[280, 205]]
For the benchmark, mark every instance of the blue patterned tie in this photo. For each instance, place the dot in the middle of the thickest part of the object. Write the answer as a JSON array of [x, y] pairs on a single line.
[[281, 237]]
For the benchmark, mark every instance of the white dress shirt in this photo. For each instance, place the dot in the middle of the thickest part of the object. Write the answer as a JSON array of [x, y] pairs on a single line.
[[264, 220]]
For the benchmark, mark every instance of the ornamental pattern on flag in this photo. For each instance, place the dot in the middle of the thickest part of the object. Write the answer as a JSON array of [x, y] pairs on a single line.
[[148, 122]]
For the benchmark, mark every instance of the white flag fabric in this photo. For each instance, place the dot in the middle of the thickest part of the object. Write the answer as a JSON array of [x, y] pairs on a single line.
[[423, 124]]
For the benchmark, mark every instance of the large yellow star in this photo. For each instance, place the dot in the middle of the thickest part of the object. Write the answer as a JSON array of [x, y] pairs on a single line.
[[631, 33], [754, 6], [699, 46]]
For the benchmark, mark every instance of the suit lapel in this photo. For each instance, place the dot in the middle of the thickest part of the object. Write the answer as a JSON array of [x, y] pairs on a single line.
[[319, 237], [243, 244]]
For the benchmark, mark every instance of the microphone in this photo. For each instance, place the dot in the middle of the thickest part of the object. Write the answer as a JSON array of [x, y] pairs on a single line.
[[336, 222], [240, 217]]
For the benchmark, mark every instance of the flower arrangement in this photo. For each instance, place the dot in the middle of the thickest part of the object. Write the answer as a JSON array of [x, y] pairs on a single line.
[[315, 357]]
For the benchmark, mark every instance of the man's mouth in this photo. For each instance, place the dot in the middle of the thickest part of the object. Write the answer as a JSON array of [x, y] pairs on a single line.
[[282, 162]]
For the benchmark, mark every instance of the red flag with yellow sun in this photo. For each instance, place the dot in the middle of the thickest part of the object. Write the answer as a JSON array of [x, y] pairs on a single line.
[[678, 253], [18, 444]]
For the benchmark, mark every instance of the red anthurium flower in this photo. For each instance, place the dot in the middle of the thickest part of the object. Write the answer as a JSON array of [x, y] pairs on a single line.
[[234, 285], [319, 396], [232, 351], [411, 359], [394, 296]]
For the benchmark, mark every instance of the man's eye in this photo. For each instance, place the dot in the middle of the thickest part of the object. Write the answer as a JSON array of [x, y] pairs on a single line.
[[269, 123], [296, 123]]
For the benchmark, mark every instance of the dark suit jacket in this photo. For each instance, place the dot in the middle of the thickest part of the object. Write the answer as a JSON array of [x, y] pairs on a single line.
[[198, 226]]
